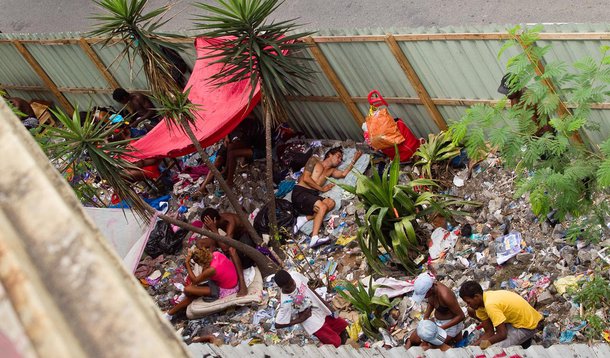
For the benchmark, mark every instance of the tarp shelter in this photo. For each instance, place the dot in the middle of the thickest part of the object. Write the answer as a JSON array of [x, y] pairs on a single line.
[[124, 231], [220, 110]]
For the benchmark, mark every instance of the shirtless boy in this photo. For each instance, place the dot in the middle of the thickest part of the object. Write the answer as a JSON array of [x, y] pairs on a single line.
[[305, 196]]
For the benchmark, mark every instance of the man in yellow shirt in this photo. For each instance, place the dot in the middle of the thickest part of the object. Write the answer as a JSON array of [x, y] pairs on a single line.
[[507, 318]]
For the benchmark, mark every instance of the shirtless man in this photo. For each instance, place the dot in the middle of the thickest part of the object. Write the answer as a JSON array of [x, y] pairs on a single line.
[[27, 115], [305, 196], [139, 105], [447, 312]]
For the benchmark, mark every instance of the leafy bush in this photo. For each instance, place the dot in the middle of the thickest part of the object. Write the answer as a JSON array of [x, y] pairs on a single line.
[[539, 135], [593, 295], [391, 214], [438, 148], [371, 308]]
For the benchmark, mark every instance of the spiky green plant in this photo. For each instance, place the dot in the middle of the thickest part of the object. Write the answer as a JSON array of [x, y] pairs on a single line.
[[73, 142], [372, 308], [438, 148], [138, 31], [392, 210], [264, 52]]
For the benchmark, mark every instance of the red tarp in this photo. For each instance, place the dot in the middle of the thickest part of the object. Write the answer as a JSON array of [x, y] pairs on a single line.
[[221, 110]]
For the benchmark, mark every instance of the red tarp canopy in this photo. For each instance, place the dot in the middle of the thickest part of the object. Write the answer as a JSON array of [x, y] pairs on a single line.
[[221, 109]]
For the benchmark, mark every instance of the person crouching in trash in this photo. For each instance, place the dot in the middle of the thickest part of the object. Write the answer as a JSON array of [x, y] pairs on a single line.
[[448, 314], [299, 304]]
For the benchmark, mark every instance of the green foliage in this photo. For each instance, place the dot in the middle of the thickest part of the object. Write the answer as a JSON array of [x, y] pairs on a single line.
[[139, 32], [177, 109], [537, 134], [252, 47], [594, 294], [391, 213], [371, 308], [438, 148], [80, 146]]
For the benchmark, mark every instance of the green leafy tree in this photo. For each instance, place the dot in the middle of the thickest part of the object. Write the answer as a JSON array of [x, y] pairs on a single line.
[[539, 135], [266, 53]]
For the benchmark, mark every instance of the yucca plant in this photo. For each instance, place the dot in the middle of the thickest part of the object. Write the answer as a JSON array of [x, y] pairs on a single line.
[[392, 210], [178, 112], [438, 148], [73, 142], [138, 31], [371, 308], [266, 53]]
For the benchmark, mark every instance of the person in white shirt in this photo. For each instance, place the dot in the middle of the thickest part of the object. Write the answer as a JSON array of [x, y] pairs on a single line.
[[299, 304]]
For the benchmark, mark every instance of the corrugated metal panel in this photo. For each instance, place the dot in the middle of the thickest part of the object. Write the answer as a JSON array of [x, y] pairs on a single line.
[[312, 351], [464, 69], [13, 68], [87, 101], [30, 95]]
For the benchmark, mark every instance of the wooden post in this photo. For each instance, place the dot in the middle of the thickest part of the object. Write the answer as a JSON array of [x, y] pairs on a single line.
[[43, 75], [98, 63], [409, 71], [335, 81]]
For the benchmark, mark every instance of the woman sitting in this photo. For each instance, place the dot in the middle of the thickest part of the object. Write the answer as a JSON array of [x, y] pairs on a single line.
[[219, 272]]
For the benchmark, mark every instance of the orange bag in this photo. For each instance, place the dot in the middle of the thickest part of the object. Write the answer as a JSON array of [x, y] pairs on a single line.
[[382, 129]]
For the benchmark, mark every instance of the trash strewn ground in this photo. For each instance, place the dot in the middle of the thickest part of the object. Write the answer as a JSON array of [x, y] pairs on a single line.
[[507, 248]]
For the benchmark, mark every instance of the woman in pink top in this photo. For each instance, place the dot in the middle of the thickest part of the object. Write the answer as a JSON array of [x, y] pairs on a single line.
[[219, 272]]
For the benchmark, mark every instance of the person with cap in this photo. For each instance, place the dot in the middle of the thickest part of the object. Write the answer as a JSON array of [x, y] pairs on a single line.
[[431, 335], [508, 319], [443, 303]]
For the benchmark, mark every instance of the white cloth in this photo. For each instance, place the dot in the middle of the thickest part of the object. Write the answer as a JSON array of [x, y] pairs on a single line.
[[452, 331], [288, 304]]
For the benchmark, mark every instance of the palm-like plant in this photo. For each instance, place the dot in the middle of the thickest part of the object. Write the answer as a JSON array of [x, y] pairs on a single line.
[[391, 215], [264, 52], [438, 148], [371, 308], [138, 31], [178, 111], [73, 142]]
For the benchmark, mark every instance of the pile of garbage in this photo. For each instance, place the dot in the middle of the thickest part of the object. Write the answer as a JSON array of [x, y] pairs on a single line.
[[501, 244]]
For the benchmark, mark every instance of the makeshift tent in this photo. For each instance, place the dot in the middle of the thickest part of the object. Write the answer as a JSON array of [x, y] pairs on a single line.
[[124, 231], [221, 109]]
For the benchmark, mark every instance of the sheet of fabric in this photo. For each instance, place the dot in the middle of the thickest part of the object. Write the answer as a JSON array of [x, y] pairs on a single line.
[[220, 111], [124, 231]]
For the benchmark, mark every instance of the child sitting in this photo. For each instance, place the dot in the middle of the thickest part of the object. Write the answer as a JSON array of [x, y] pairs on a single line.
[[219, 272]]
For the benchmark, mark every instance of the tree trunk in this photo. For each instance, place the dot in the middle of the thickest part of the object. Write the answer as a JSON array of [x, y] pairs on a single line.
[[273, 228], [264, 264], [232, 199]]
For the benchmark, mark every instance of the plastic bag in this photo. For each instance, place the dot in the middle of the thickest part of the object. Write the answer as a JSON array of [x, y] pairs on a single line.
[[163, 240], [383, 130], [286, 217]]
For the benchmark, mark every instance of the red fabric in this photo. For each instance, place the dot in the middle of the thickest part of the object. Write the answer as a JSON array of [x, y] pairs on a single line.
[[330, 331], [221, 110], [406, 148]]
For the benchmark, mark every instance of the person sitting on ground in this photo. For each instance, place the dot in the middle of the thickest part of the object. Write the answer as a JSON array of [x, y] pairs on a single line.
[[139, 106], [443, 302], [305, 196], [246, 141], [299, 304], [219, 272], [220, 163], [212, 220], [26, 115], [507, 318], [431, 335]]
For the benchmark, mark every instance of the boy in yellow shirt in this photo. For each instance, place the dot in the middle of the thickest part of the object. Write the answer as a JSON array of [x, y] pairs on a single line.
[[507, 318]]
